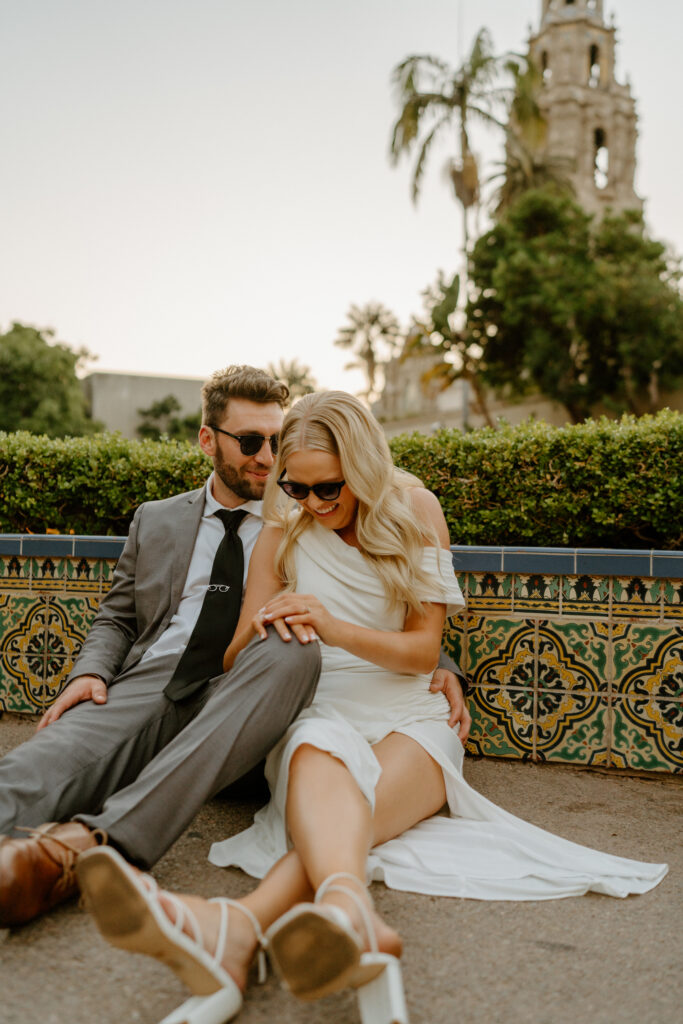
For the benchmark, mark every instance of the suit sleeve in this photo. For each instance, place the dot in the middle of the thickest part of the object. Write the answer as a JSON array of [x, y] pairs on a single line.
[[446, 662], [115, 627]]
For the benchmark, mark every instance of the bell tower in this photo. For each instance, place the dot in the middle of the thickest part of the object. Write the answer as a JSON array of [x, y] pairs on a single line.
[[591, 118]]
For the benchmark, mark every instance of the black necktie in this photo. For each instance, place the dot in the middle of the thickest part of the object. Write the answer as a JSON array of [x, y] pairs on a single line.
[[202, 659]]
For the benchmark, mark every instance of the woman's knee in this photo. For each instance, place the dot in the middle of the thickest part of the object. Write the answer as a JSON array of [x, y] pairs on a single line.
[[305, 758], [309, 763]]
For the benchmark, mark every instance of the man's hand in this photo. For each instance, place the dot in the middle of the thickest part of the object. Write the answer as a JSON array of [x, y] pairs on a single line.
[[447, 683], [79, 689]]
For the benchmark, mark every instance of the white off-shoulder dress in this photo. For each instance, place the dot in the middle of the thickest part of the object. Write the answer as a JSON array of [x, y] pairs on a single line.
[[479, 850]]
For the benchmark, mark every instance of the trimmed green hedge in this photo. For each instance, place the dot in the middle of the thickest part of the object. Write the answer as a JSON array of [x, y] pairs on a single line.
[[89, 485], [604, 483]]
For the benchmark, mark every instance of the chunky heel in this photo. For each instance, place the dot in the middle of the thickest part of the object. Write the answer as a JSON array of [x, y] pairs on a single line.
[[382, 1001], [215, 1009], [317, 951], [127, 910]]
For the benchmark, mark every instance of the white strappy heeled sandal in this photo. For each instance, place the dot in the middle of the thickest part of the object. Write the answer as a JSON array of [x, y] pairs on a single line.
[[316, 951], [126, 908]]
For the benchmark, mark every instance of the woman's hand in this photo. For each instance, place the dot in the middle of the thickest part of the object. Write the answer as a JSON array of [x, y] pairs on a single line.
[[304, 614]]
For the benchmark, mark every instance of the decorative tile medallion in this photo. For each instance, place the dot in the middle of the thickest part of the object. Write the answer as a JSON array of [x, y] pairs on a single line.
[[647, 734], [572, 727], [40, 633], [573, 656], [69, 619], [23, 650], [502, 723], [501, 652], [22, 623], [12, 694], [648, 660]]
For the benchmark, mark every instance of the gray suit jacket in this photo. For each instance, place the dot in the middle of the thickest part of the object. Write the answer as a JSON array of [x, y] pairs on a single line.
[[147, 585]]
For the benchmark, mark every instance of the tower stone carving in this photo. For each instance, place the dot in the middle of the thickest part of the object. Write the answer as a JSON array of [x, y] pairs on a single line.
[[591, 118]]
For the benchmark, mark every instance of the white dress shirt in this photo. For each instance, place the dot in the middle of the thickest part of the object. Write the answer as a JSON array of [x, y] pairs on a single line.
[[209, 536]]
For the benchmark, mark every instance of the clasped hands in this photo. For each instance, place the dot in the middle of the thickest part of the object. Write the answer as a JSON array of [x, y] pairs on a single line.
[[308, 619]]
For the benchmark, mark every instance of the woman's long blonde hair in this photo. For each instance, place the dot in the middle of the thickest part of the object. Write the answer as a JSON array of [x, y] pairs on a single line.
[[389, 533]]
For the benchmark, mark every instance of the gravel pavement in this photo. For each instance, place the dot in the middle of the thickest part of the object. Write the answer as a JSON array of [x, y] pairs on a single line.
[[587, 959]]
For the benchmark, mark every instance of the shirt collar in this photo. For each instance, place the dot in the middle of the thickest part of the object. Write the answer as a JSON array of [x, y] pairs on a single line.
[[211, 506]]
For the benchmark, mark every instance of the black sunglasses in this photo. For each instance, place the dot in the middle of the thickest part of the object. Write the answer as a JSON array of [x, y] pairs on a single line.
[[326, 491], [250, 444]]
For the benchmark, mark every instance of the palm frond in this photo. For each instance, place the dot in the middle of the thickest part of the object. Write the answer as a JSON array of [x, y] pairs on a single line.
[[422, 156]]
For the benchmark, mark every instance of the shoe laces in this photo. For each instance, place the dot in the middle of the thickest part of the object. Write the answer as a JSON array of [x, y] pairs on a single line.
[[66, 882]]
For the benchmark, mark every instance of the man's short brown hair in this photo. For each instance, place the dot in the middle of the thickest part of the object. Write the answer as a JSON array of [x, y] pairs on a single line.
[[239, 382]]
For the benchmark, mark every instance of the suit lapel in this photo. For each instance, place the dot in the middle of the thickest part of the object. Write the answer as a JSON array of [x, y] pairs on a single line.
[[188, 518]]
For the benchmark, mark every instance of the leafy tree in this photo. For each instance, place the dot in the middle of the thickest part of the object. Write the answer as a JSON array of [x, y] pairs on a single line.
[[298, 378], [39, 389], [441, 332], [373, 335], [160, 420], [584, 313]]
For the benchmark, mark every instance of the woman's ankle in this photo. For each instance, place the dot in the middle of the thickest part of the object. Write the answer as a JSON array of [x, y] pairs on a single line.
[[242, 942], [371, 929]]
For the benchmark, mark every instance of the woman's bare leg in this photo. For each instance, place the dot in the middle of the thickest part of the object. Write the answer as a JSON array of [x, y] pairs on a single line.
[[410, 789], [330, 824]]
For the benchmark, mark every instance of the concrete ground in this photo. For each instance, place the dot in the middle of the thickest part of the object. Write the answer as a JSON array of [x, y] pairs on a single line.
[[586, 959]]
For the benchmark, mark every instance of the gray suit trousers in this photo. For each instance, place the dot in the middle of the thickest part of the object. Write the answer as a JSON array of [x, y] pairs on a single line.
[[141, 766]]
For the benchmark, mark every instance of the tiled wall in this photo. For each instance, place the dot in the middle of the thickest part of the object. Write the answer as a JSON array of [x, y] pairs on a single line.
[[573, 656], [50, 588]]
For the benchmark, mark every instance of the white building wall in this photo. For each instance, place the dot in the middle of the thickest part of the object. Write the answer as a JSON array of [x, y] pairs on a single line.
[[115, 398]]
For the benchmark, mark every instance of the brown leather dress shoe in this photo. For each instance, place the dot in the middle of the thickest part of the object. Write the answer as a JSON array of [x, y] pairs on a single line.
[[39, 872]]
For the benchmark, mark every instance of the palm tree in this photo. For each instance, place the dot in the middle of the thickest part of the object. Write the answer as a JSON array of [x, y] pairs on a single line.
[[526, 164], [523, 169], [299, 379], [436, 98], [373, 335]]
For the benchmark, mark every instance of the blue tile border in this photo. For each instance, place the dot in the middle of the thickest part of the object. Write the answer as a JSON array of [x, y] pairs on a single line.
[[46, 545], [60, 545], [667, 564], [475, 558], [596, 562], [10, 543], [98, 547], [569, 561], [557, 562]]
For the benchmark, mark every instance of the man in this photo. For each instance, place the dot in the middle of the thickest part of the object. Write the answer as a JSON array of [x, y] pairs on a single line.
[[149, 727]]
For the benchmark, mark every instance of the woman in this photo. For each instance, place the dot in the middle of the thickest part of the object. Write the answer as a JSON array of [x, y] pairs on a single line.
[[361, 565]]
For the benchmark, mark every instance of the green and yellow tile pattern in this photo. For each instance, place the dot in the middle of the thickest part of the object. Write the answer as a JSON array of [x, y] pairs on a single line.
[[575, 666]]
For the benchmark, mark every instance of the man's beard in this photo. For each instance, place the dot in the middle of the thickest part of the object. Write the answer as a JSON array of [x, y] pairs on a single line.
[[247, 489]]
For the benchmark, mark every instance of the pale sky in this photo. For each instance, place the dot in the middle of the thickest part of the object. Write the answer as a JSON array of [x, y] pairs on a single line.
[[187, 183]]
